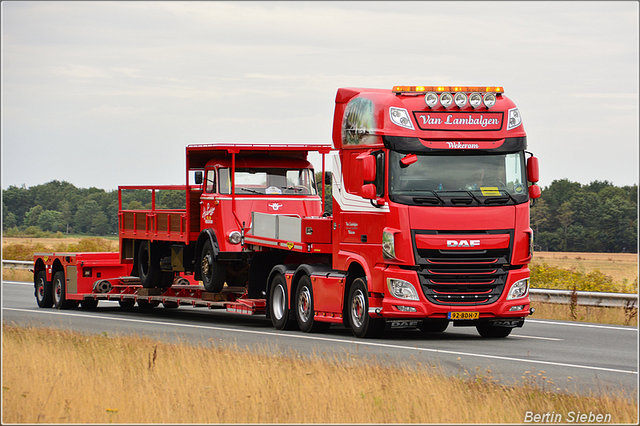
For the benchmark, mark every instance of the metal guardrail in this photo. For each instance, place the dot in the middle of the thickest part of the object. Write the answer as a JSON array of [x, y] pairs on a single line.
[[17, 264], [584, 298], [563, 297]]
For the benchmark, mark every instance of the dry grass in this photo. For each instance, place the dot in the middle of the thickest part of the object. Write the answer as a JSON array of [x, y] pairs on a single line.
[[74, 378], [593, 314], [619, 266]]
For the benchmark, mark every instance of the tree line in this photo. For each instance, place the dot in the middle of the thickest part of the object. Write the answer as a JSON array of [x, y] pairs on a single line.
[[61, 207], [598, 217]]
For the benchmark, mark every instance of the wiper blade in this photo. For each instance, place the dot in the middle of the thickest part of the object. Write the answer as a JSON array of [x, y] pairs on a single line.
[[500, 200], [431, 200], [251, 190]]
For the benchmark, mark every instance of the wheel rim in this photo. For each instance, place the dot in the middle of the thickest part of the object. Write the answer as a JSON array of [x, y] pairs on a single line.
[[357, 308], [40, 290], [206, 264], [57, 291], [304, 304], [278, 302]]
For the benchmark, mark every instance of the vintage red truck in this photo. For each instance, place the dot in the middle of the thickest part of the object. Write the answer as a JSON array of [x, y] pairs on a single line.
[[430, 226]]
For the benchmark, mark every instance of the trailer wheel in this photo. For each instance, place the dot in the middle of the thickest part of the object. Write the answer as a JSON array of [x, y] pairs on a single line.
[[148, 266], [362, 325], [279, 304], [213, 276], [43, 292], [304, 308], [487, 331], [59, 297]]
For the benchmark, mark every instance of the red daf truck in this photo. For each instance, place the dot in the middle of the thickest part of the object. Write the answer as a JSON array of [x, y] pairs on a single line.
[[430, 226]]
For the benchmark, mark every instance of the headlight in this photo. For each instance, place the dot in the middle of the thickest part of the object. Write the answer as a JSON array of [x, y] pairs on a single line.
[[402, 289], [388, 245], [475, 100], [235, 237], [489, 100], [518, 289], [446, 99], [460, 99], [514, 119], [431, 99]]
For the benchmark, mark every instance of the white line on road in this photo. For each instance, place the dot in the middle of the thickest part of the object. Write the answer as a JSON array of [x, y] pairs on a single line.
[[327, 339]]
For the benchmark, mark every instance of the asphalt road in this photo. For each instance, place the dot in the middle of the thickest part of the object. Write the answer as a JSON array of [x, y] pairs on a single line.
[[575, 357]]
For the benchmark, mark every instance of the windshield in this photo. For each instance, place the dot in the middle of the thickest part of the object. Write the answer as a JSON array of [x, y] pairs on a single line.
[[458, 179], [272, 181]]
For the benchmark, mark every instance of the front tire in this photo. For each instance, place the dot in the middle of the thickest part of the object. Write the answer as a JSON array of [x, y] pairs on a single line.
[[305, 309], [279, 304], [213, 276], [362, 325], [43, 292]]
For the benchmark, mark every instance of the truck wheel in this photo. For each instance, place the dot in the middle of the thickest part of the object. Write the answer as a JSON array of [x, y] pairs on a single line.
[[485, 330], [362, 325], [43, 292], [434, 325], [59, 297], [304, 308], [148, 266], [279, 304], [213, 276]]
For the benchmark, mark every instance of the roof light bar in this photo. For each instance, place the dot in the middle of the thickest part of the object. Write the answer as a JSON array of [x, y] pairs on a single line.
[[441, 89]]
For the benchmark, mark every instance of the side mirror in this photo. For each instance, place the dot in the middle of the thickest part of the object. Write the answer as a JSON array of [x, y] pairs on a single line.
[[368, 166], [198, 177], [534, 191], [533, 173], [408, 159], [368, 191]]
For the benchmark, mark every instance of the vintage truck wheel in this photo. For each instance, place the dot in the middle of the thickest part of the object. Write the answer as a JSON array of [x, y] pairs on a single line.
[[43, 292], [304, 308], [279, 304], [148, 266], [362, 325], [213, 275]]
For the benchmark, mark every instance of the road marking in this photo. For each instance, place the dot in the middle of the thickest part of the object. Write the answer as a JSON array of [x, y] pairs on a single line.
[[577, 324], [328, 339], [536, 337]]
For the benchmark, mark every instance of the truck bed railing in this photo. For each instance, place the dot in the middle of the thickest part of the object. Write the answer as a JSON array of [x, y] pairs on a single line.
[[154, 223]]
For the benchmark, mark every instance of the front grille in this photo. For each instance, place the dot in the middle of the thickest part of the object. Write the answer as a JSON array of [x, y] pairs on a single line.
[[463, 277]]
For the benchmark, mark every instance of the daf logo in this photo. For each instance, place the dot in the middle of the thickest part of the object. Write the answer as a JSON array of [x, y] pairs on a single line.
[[463, 243]]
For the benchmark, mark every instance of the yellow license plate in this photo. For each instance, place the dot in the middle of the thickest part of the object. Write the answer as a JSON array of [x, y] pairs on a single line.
[[464, 315]]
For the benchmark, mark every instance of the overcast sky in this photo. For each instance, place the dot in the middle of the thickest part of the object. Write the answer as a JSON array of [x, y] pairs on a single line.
[[102, 94]]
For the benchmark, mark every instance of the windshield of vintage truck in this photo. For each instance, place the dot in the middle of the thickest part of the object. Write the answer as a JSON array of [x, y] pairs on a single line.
[[458, 180], [271, 181]]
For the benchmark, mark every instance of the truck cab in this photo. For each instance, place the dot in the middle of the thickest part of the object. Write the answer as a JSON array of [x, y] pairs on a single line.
[[431, 202]]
